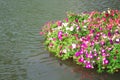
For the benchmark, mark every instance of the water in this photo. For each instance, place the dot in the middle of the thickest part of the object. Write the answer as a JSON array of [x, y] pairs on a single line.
[[22, 53]]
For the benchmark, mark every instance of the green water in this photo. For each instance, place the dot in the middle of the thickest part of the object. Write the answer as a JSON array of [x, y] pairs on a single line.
[[22, 53]]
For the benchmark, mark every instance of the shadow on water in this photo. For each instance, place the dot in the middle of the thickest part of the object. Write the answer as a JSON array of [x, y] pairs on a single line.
[[86, 74]]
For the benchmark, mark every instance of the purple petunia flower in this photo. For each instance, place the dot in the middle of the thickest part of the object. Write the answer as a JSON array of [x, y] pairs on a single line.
[[81, 60], [103, 51], [109, 34], [59, 23], [95, 54], [77, 54], [60, 35], [92, 43], [83, 45], [111, 41], [103, 54], [76, 20], [81, 51], [66, 19], [88, 65], [102, 43], [105, 61]]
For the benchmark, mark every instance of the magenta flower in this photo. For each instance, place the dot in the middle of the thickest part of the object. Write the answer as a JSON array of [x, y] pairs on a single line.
[[78, 27], [50, 44], [111, 41], [66, 19], [103, 54], [109, 34], [105, 61], [59, 23], [92, 31], [95, 54], [103, 51], [77, 54], [54, 39], [60, 35], [88, 65], [87, 55], [76, 20], [84, 45], [92, 43], [88, 38], [104, 19], [102, 43], [81, 60], [81, 51], [41, 33], [101, 28], [90, 55]]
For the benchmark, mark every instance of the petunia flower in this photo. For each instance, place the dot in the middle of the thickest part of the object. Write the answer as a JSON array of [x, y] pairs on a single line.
[[76, 20], [88, 65], [71, 28], [104, 35], [92, 43], [64, 51], [83, 45], [117, 40], [103, 54], [81, 59], [102, 43], [54, 39], [81, 51], [50, 44], [105, 61], [41, 33], [109, 34], [78, 27], [59, 23], [66, 19], [65, 24], [73, 46], [95, 54], [60, 35], [77, 54], [111, 41], [103, 51]]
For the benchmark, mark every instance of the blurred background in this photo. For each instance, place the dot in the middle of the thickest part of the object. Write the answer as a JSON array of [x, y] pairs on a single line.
[[22, 53]]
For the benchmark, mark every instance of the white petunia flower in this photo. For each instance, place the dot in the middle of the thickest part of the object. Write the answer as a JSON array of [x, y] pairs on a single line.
[[117, 40], [113, 37], [85, 26], [78, 28], [64, 24], [64, 51], [50, 39], [59, 27], [49, 33], [74, 24], [67, 28], [104, 36], [71, 28], [73, 46]]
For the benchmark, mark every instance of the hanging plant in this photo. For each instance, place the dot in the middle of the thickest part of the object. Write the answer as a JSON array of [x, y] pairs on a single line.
[[91, 39]]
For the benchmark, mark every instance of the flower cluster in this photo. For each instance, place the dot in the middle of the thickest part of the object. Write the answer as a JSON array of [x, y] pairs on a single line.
[[92, 39]]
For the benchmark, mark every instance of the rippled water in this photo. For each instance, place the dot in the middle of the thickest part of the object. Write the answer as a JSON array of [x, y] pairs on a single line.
[[22, 53]]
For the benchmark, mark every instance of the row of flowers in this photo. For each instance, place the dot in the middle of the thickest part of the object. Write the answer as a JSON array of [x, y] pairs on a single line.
[[92, 39]]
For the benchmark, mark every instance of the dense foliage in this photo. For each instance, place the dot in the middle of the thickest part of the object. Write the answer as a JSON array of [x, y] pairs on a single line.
[[91, 39]]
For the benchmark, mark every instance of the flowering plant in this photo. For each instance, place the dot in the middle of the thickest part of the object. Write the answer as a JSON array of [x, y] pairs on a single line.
[[91, 39]]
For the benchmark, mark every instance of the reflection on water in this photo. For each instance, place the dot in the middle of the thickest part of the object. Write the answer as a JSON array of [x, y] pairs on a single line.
[[22, 53]]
